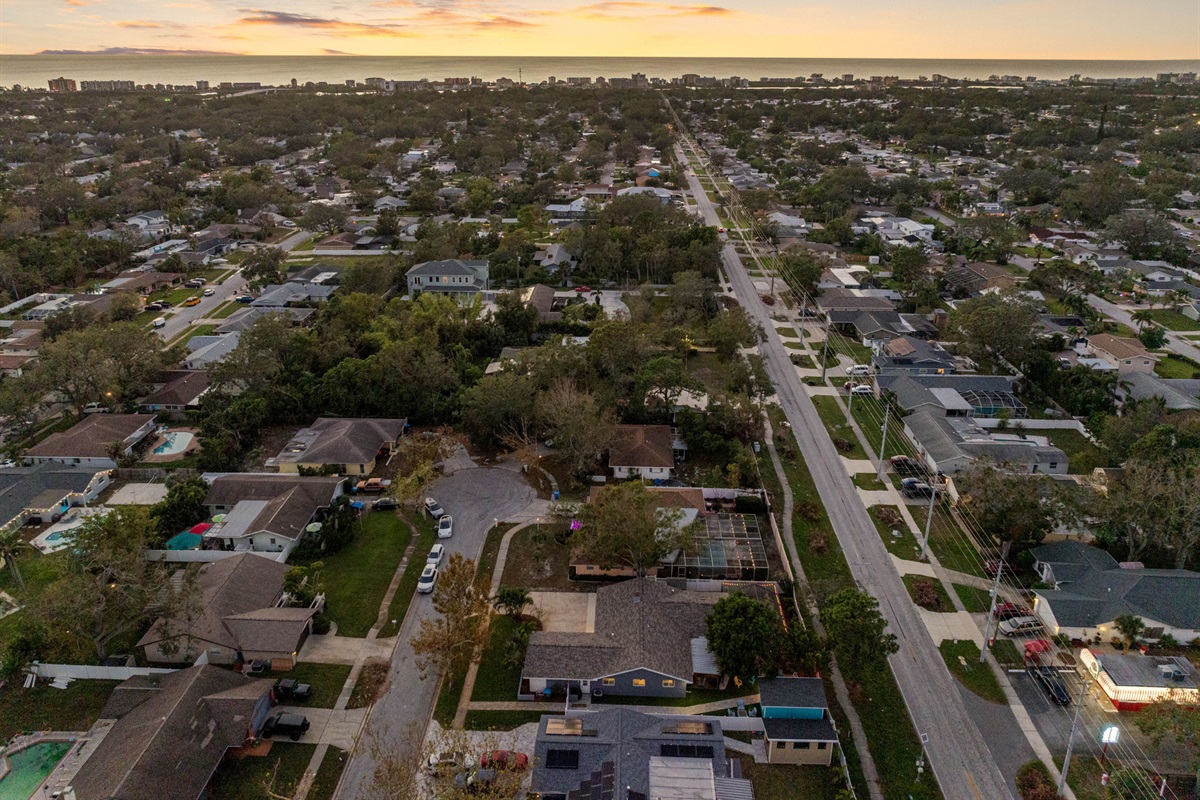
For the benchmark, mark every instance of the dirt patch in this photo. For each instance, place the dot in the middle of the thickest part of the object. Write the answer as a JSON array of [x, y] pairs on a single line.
[[371, 683], [537, 561]]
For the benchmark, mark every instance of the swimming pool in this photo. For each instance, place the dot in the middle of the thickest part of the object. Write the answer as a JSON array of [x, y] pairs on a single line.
[[29, 767], [176, 442]]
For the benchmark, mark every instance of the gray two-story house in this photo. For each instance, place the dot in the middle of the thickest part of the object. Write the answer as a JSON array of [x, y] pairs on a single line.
[[453, 276]]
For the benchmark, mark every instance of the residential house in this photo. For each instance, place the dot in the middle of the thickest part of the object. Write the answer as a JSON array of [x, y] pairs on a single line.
[[20, 345], [354, 446], [454, 277], [266, 512], [576, 209], [642, 451], [799, 728], [856, 300], [142, 281], [647, 641], [204, 351], [950, 444], [1128, 355], [96, 442], [878, 326], [975, 277], [907, 354], [179, 391], [149, 223], [170, 732], [790, 226], [542, 297], [390, 203], [622, 754], [955, 395], [1090, 589], [241, 616], [1178, 394], [245, 318], [554, 258], [47, 491], [657, 192], [291, 293]]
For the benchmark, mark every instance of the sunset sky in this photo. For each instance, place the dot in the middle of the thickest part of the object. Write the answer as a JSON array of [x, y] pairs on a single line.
[[1066, 29]]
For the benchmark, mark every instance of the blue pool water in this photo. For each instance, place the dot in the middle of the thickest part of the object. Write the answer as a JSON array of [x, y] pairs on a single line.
[[29, 767], [176, 442]]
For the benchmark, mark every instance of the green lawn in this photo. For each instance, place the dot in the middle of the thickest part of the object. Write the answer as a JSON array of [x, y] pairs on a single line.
[[868, 413], [357, 577], [326, 681], [1006, 654], [246, 779], [790, 781], [497, 680], [199, 330], [953, 547], [1084, 456], [325, 784], [856, 350], [408, 582], [902, 546], [868, 481], [1173, 320], [43, 708], [786, 330], [977, 677], [449, 694], [974, 599], [835, 422], [226, 310], [500, 720], [1171, 365], [943, 599]]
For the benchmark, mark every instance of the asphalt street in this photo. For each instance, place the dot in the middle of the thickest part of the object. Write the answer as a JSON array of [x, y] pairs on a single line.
[[957, 751], [475, 497], [1118, 314]]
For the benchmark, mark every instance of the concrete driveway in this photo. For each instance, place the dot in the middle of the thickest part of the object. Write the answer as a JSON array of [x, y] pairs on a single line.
[[138, 494], [475, 496]]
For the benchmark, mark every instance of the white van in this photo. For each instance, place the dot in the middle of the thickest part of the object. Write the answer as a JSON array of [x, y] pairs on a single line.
[[858, 370], [160, 322]]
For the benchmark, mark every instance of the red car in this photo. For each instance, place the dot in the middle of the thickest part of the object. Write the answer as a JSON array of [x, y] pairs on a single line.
[[1010, 610], [505, 759], [993, 566]]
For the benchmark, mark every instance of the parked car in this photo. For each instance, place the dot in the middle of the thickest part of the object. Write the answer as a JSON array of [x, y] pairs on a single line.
[[1017, 626], [1052, 683], [915, 487], [195, 283], [166, 304], [445, 526], [293, 690], [192, 301], [384, 503], [450, 761], [291, 725], [434, 508], [505, 759], [428, 579], [436, 553], [245, 298], [96, 408], [861, 389], [159, 322], [156, 306], [373, 485], [1010, 611], [209, 292], [858, 370], [903, 465]]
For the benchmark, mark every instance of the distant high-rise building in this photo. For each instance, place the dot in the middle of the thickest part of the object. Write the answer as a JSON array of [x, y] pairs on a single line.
[[106, 86], [350, 82], [848, 78], [294, 84], [62, 85], [202, 85]]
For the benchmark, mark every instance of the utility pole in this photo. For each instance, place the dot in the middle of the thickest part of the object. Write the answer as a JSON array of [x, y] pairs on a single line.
[[987, 628], [825, 352], [887, 410], [928, 522], [1062, 780]]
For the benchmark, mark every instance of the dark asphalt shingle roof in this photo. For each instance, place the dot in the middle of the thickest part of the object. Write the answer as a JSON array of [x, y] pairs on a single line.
[[793, 692], [20, 485], [800, 730]]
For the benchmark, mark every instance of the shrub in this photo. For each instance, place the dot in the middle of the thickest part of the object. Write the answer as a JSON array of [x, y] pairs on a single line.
[[889, 516], [1167, 642], [750, 504], [808, 510], [842, 445], [925, 594], [1034, 783], [817, 542]]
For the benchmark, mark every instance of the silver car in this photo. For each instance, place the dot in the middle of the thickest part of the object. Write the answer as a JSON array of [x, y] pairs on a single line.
[[428, 579], [1019, 625]]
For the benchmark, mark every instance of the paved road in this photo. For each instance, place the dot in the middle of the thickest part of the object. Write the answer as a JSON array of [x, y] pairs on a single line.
[[1118, 314], [475, 497], [964, 767]]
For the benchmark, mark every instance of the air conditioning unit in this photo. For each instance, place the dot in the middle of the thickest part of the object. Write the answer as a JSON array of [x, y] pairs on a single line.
[[1171, 672]]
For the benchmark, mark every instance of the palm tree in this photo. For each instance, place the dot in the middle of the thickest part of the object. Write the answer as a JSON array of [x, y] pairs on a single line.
[[10, 544], [512, 599], [1142, 318]]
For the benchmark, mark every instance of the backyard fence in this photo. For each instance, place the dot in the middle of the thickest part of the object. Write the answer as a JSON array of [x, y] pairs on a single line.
[[90, 673]]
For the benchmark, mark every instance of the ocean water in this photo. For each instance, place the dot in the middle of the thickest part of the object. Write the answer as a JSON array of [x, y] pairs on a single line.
[[35, 70]]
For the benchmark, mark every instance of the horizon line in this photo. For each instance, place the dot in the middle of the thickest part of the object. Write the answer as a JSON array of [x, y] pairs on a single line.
[[168, 54]]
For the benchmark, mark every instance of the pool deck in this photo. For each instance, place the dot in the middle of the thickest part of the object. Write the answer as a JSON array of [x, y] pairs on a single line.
[[151, 457], [60, 778]]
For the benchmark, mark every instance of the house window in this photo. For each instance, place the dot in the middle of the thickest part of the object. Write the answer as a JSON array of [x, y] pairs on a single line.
[[668, 683], [1053, 465], [609, 681], [1128, 362], [822, 745], [639, 681], [802, 745], [272, 540]]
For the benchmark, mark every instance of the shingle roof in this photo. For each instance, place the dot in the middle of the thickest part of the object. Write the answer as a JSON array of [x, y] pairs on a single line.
[[20, 485], [793, 692], [291, 500], [229, 587], [180, 388], [333, 440], [276, 630], [640, 624], [172, 731], [642, 446], [449, 266], [94, 437], [1119, 346], [800, 730]]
